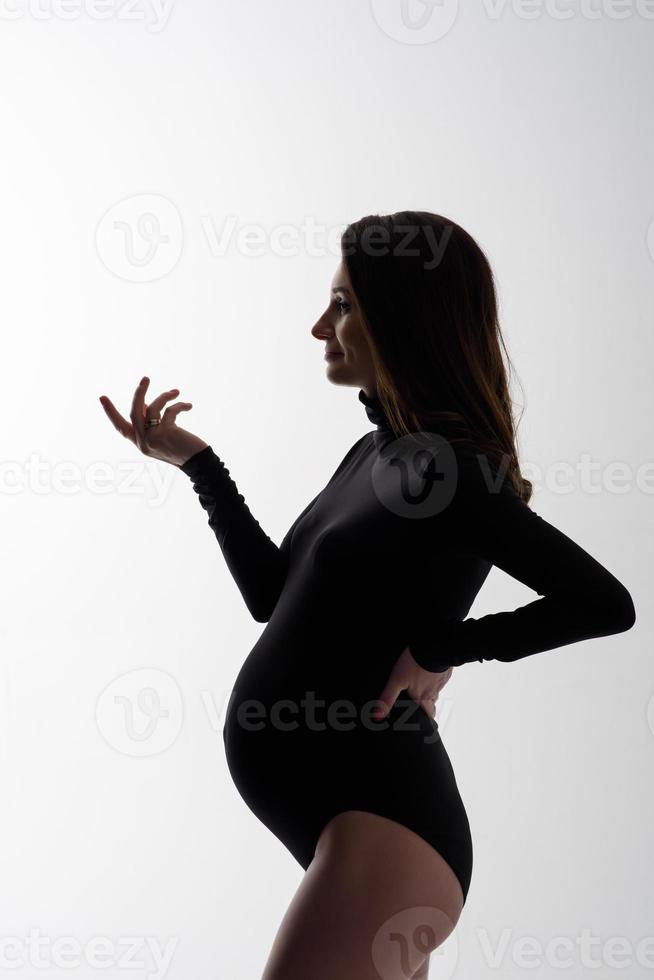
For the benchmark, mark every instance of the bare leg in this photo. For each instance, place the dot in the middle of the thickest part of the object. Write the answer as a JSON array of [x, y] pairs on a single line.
[[374, 902]]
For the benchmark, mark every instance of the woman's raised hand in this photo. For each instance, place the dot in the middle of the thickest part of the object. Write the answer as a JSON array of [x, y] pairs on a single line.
[[165, 441]]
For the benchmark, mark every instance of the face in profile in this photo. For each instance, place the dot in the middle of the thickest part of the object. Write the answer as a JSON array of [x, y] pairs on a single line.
[[348, 358]]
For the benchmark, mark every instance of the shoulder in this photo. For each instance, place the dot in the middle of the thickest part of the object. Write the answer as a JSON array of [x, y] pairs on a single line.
[[482, 482]]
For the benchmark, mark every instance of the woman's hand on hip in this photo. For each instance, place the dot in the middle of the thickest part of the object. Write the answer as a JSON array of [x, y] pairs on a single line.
[[165, 441], [422, 685]]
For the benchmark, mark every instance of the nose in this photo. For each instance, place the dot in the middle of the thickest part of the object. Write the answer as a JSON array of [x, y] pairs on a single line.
[[322, 329]]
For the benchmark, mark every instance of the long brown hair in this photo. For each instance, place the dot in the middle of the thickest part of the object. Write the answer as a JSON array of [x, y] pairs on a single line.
[[428, 304]]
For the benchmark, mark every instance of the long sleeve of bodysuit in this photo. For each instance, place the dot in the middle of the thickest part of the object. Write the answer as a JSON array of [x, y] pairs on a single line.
[[256, 563], [580, 598]]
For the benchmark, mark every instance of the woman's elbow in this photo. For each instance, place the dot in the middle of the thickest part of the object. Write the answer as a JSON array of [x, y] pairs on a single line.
[[259, 611], [621, 610], [261, 606]]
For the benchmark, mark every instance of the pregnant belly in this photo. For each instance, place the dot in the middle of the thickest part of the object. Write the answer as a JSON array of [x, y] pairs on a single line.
[[295, 662], [302, 705]]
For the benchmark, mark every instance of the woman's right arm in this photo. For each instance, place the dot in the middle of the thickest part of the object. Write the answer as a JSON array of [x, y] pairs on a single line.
[[257, 564]]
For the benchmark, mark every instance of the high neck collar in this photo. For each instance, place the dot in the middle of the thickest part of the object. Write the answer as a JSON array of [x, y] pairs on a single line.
[[374, 410]]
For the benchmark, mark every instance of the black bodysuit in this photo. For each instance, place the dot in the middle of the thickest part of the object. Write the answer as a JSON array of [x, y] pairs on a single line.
[[391, 553]]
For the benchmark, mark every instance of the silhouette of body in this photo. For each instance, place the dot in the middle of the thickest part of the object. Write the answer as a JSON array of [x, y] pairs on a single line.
[[355, 581]]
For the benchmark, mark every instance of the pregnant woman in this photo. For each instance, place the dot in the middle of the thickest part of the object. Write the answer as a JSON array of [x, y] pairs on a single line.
[[330, 733]]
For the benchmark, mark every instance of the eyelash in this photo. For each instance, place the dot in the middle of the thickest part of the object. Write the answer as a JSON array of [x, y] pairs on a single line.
[[342, 306]]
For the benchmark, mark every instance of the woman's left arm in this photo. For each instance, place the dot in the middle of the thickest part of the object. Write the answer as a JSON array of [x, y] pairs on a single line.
[[580, 600]]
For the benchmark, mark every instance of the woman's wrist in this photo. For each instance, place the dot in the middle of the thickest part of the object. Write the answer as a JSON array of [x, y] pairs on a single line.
[[198, 446]]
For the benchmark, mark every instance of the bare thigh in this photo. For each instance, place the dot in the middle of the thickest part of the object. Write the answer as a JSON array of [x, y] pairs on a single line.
[[374, 902]]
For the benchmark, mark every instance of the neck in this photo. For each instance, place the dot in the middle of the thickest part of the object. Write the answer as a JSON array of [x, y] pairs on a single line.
[[374, 409]]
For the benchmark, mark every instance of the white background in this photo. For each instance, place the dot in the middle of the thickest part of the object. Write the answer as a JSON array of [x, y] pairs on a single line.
[[532, 127]]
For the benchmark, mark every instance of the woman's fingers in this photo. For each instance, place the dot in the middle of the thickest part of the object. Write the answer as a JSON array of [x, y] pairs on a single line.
[[429, 705], [173, 411], [117, 419], [388, 697], [138, 411], [155, 406]]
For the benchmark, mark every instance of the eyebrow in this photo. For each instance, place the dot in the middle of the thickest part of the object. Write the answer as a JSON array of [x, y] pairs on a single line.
[[340, 289]]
